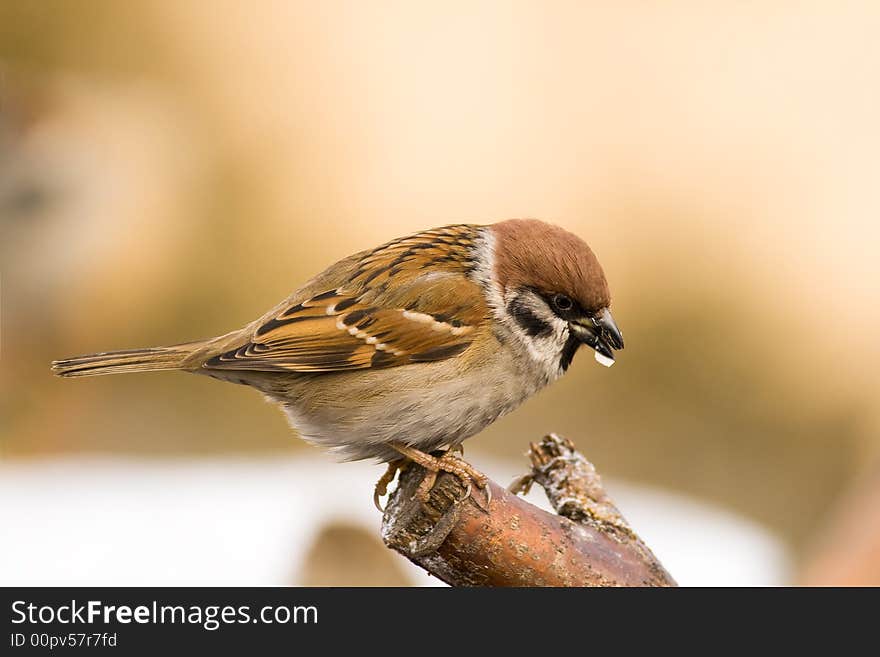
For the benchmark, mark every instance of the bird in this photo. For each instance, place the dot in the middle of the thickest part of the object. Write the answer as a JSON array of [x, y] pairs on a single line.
[[403, 351]]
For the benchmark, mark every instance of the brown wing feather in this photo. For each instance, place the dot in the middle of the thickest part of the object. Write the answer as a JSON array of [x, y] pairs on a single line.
[[429, 313]]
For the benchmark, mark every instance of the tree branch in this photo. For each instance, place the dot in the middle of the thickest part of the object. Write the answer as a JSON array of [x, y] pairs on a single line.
[[515, 543]]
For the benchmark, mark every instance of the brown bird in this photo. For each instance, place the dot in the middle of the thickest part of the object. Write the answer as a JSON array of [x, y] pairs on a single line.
[[413, 346]]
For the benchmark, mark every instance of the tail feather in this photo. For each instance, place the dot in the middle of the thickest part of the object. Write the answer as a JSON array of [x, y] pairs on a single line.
[[131, 360]]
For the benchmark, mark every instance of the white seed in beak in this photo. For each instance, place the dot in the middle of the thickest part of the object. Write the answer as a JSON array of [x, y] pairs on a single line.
[[603, 359]]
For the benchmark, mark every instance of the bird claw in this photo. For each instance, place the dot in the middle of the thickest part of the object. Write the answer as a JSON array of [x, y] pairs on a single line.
[[376, 499], [381, 487], [483, 504]]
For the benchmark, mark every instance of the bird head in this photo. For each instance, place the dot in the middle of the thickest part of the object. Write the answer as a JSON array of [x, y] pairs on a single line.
[[553, 291]]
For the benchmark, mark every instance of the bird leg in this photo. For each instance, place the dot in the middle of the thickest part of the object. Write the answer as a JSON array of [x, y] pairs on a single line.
[[448, 462]]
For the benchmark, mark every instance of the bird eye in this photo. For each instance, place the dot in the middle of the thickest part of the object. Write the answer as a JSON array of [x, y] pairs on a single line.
[[562, 302]]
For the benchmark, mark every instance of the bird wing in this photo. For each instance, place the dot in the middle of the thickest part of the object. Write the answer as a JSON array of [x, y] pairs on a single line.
[[408, 301]]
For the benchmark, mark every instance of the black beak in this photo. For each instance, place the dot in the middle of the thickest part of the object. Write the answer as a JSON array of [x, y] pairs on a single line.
[[599, 332]]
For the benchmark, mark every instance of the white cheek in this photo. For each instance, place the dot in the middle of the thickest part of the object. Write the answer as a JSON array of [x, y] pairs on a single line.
[[543, 349]]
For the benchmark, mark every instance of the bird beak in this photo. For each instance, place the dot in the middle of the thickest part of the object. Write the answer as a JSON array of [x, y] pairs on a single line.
[[599, 332]]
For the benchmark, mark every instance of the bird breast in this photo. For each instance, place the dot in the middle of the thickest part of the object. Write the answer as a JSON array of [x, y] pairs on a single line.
[[356, 414]]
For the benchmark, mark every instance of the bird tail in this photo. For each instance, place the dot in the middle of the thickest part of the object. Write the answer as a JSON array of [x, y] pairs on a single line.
[[132, 360]]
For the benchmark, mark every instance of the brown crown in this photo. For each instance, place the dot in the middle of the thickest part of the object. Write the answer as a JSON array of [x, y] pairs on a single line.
[[532, 253]]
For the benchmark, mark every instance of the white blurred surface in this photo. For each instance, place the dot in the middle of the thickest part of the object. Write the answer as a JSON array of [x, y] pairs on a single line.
[[117, 522]]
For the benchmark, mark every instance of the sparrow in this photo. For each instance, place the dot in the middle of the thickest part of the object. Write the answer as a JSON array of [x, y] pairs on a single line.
[[400, 351]]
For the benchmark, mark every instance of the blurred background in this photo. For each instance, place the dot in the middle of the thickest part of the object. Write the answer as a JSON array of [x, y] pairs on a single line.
[[170, 170]]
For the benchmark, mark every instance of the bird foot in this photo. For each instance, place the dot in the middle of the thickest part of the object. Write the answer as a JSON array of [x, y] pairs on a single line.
[[452, 463]]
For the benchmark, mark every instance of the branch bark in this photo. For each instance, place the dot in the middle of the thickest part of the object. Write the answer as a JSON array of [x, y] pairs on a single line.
[[515, 543]]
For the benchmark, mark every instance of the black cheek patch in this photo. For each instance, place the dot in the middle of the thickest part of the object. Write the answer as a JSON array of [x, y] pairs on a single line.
[[528, 320]]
